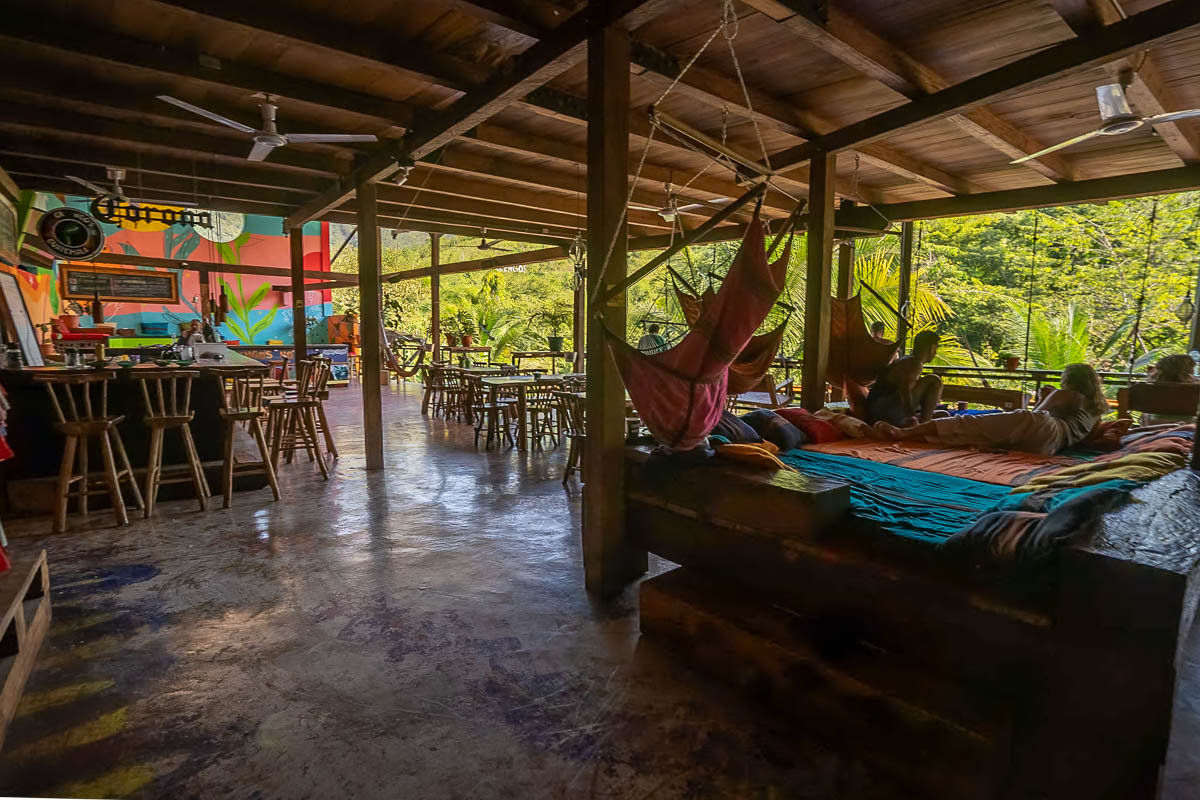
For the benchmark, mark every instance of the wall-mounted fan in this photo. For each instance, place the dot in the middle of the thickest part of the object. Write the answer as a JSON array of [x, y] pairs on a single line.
[[1116, 117], [268, 137], [117, 192]]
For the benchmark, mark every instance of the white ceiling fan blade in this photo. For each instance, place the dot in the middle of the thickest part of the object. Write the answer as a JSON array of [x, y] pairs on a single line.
[[260, 151], [206, 113], [332, 137], [691, 207], [641, 207], [93, 188], [1171, 116], [1059, 146]]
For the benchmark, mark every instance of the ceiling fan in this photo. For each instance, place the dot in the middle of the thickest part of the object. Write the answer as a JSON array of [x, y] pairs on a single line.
[[1116, 117], [117, 192], [268, 137], [672, 209], [484, 244]]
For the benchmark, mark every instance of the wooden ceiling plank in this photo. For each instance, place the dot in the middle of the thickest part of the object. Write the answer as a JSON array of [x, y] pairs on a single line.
[[33, 27], [1107, 44], [396, 223], [550, 57], [857, 46], [1147, 91]]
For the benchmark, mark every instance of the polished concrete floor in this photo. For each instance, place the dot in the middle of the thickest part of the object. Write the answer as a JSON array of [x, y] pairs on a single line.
[[416, 633]]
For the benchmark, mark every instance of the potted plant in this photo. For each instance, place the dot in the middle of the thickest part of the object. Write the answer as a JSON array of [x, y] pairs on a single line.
[[557, 317], [450, 331], [1012, 362], [466, 328], [70, 317]]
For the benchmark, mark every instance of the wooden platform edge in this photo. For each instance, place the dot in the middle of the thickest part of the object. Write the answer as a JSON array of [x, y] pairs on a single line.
[[25, 623]]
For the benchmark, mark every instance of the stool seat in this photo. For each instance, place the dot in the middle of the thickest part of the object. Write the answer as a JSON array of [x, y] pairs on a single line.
[[241, 414], [92, 427], [174, 421]]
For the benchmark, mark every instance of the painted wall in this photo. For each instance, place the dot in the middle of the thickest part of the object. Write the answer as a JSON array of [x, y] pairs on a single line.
[[257, 314]]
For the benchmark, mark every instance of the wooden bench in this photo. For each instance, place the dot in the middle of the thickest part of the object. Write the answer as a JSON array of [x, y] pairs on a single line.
[[1005, 399], [25, 606], [1059, 685]]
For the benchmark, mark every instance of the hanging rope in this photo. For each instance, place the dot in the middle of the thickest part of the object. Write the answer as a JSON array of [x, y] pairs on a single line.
[[1029, 296], [1141, 303]]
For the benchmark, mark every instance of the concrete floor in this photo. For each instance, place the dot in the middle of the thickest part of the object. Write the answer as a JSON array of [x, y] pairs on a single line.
[[421, 633]]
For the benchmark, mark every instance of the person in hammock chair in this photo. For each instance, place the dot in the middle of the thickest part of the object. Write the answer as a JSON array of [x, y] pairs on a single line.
[[900, 396], [1062, 418]]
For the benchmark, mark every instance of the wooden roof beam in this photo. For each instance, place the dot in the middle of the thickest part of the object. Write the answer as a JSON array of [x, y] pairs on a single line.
[[1147, 91], [396, 223], [854, 44], [1096, 190], [544, 61], [1107, 44], [31, 24]]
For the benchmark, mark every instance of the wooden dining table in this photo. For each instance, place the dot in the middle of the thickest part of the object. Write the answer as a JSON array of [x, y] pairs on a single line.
[[520, 384]]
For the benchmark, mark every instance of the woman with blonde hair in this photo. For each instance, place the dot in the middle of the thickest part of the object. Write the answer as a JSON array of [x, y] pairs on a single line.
[[1062, 419]]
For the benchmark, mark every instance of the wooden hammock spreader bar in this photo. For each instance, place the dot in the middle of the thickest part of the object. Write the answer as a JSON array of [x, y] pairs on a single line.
[[692, 236], [879, 297], [662, 118]]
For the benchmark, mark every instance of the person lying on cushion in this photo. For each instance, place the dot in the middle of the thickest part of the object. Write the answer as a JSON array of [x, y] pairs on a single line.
[[1061, 419], [900, 396], [1179, 368]]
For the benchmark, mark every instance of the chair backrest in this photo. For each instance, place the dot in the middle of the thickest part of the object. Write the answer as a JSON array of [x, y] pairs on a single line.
[[311, 377], [243, 387], [571, 409], [541, 394], [167, 392], [1166, 399], [77, 396], [477, 393], [281, 369]]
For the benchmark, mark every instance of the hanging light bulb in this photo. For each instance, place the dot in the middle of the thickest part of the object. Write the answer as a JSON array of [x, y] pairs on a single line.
[[1185, 310]]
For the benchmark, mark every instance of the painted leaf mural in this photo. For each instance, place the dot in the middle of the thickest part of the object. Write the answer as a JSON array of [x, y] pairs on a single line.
[[240, 308]]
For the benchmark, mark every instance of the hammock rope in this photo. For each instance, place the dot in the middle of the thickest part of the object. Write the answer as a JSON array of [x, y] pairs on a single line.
[[1141, 303]]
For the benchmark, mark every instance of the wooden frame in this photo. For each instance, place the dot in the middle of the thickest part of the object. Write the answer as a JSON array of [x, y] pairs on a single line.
[[27, 338], [66, 270]]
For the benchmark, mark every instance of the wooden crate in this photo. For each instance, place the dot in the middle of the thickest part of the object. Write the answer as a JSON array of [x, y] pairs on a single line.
[[25, 599]]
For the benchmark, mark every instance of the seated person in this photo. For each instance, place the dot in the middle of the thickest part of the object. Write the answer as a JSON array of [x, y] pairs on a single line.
[[900, 396], [878, 330], [1179, 368], [192, 335], [652, 341], [1061, 419]]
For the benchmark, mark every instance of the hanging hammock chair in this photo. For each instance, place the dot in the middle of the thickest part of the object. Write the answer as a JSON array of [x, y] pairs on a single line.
[[754, 362], [404, 367], [680, 392], [854, 355]]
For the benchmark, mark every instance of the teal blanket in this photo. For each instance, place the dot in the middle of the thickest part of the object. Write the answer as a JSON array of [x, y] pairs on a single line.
[[927, 506]]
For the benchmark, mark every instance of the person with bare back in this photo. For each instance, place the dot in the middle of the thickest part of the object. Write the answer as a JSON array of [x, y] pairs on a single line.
[[901, 396]]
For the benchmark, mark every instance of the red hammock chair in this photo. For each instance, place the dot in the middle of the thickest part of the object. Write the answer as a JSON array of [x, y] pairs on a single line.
[[854, 355], [752, 364], [680, 392]]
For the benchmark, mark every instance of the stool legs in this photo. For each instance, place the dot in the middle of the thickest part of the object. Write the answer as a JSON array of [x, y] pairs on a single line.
[[256, 432], [260, 440], [153, 468], [64, 483], [127, 469], [114, 482], [324, 424], [198, 480]]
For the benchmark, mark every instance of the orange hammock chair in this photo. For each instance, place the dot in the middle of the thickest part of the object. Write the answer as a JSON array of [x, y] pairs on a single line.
[[680, 393], [854, 355], [403, 368]]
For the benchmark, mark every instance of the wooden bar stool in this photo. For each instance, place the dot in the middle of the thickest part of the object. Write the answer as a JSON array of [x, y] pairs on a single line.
[[244, 405], [168, 397], [80, 421], [292, 418], [572, 414]]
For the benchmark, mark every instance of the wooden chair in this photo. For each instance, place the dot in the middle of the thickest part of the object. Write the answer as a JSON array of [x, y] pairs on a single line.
[[766, 395], [1179, 400], [571, 410], [292, 418], [168, 407], [81, 418], [431, 380], [244, 404], [490, 418], [321, 393], [540, 407], [454, 398]]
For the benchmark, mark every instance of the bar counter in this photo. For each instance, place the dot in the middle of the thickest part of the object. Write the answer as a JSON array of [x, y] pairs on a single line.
[[38, 446]]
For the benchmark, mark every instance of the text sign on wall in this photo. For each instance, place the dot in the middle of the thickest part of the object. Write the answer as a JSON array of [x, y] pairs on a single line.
[[116, 284]]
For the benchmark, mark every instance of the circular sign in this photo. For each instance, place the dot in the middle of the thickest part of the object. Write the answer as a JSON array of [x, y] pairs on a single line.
[[71, 233], [226, 226]]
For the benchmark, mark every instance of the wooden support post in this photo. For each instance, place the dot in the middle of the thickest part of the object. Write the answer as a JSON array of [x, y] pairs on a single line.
[[579, 325], [845, 281], [370, 305], [435, 294], [205, 288], [608, 559], [906, 257], [299, 328], [816, 291], [1194, 339]]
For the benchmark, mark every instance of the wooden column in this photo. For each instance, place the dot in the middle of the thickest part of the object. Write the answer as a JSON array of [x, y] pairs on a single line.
[[579, 327], [906, 258], [1194, 339], [370, 306], [845, 278], [435, 294], [609, 561], [299, 328], [816, 292]]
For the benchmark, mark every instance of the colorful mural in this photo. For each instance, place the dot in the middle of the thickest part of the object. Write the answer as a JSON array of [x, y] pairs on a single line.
[[258, 314]]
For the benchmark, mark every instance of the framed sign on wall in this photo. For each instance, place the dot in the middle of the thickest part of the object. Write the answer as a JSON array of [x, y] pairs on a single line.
[[16, 319], [118, 284]]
